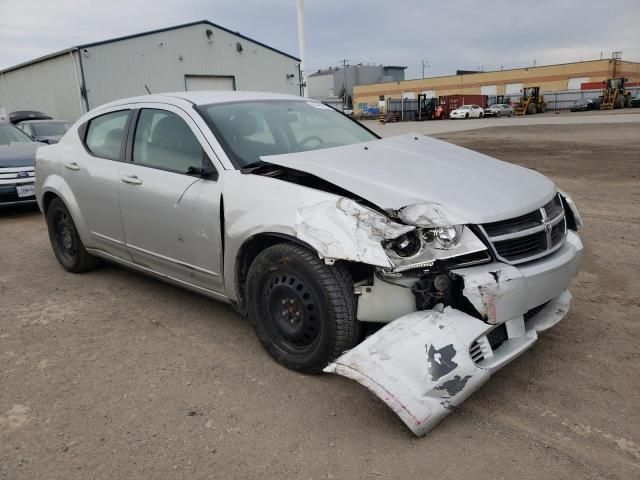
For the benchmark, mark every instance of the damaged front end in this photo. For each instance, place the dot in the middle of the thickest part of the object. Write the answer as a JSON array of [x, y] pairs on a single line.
[[426, 363], [455, 313]]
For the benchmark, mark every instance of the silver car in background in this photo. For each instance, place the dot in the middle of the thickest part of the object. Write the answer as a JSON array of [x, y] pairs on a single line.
[[316, 229], [498, 110]]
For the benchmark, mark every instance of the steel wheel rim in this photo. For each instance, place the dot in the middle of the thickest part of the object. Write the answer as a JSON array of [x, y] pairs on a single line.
[[64, 236], [292, 311]]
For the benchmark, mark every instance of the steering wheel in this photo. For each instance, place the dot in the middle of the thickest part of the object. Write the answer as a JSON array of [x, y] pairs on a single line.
[[310, 138]]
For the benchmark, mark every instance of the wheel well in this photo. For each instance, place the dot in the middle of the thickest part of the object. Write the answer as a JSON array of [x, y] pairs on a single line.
[[47, 198], [252, 247]]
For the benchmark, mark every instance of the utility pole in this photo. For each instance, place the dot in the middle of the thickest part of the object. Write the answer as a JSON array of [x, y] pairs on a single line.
[[303, 76], [425, 64], [345, 64]]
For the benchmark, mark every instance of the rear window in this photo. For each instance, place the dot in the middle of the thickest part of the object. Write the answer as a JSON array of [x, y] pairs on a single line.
[[105, 134]]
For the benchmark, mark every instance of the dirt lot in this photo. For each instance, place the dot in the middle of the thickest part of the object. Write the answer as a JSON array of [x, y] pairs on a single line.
[[113, 375]]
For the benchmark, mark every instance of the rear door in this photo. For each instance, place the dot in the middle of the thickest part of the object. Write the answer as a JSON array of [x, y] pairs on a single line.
[[92, 174], [171, 218]]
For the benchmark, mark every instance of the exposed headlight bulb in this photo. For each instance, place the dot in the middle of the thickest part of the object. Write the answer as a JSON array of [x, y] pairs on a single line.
[[447, 237]]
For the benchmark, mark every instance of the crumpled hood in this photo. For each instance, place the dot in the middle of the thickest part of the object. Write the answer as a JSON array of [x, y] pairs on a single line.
[[18, 154], [457, 185]]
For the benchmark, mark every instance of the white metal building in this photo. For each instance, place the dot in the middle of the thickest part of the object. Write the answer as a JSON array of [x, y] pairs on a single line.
[[194, 56]]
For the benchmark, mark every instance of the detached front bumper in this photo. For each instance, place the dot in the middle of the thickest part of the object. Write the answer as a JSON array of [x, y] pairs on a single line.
[[425, 363]]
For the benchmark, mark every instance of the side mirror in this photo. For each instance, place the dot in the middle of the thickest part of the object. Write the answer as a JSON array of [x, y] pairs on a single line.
[[207, 171]]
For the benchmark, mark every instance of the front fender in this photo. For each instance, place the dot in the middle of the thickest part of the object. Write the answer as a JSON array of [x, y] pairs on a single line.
[[336, 227]]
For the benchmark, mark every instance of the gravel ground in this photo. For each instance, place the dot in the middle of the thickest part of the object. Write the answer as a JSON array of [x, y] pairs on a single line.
[[113, 375]]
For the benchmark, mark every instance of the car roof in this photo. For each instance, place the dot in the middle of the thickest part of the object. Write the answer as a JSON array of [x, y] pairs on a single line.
[[204, 97]]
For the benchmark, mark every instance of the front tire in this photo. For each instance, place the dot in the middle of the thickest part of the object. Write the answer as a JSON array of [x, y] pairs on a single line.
[[65, 241], [303, 311]]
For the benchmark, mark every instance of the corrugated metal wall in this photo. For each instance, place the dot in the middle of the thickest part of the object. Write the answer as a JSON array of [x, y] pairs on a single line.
[[161, 61], [50, 86]]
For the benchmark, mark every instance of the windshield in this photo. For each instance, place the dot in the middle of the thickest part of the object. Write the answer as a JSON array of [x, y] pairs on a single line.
[[495, 105], [50, 129], [249, 130], [464, 107], [10, 134]]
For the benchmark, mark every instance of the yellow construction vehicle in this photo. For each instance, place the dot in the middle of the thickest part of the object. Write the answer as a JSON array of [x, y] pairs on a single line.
[[614, 94], [532, 101]]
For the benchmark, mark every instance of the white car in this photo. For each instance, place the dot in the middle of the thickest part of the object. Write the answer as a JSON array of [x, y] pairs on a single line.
[[467, 111]]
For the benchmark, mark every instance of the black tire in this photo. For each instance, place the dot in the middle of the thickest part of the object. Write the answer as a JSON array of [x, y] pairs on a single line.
[[532, 109], [497, 114], [481, 115], [620, 102], [65, 241], [303, 311], [466, 115], [543, 107]]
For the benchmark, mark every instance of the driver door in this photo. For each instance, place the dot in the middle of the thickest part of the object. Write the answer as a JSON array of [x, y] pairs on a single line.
[[171, 217]]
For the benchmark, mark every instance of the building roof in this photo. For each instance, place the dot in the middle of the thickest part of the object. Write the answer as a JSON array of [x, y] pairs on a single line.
[[141, 34]]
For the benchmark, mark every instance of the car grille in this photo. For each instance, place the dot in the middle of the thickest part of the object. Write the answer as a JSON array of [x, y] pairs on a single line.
[[529, 236], [16, 175], [10, 178]]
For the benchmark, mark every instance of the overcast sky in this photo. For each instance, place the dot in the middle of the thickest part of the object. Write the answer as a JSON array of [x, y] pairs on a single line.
[[460, 34]]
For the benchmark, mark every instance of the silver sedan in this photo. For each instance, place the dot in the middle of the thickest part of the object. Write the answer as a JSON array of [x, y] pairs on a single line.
[[498, 110]]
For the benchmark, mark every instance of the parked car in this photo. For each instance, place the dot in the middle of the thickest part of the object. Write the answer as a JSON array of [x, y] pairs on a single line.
[[585, 104], [17, 153], [635, 101], [498, 110], [22, 115], [46, 131], [311, 225], [467, 111]]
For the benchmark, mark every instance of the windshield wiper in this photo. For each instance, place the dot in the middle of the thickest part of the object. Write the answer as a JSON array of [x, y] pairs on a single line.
[[250, 167]]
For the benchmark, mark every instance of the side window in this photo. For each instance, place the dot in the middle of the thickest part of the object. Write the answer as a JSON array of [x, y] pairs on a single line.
[[164, 140], [105, 134]]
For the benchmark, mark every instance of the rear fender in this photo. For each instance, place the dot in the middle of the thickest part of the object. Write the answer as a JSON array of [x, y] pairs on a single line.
[[57, 185]]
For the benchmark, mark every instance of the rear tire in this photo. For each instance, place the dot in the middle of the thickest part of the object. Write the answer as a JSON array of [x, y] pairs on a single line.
[[532, 109], [65, 241], [466, 115], [303, 311], [543, 107], [497, 114], [620, 102]]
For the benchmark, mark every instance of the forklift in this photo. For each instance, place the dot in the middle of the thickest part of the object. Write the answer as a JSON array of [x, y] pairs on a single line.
[[614, 94], [532, 101], [428, 108]]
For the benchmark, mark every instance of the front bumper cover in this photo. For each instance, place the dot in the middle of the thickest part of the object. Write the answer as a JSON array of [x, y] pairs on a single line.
[[420, 365]]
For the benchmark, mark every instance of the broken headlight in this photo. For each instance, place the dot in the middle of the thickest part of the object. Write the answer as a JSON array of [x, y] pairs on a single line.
[[421, 247]]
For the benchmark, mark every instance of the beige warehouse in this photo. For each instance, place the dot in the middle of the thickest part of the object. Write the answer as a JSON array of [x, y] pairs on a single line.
[[566, 76]]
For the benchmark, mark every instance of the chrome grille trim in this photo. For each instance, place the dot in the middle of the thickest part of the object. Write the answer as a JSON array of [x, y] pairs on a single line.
[[17, 175], [528, 244]]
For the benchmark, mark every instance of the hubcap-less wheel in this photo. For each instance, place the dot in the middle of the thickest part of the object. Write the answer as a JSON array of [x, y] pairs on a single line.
[[63, 236], [303, 310], [65, 240], [292, 322]]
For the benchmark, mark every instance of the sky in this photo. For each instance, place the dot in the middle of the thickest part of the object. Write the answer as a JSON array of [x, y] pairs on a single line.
[[449, 35]]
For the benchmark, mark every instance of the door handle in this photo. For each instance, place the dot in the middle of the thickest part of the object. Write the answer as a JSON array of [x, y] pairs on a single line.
[[131, 180], [72, 166]]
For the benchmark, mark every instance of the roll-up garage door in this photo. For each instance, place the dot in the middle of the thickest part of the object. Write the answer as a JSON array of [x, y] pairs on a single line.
[[512, 88], [209, 82]]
